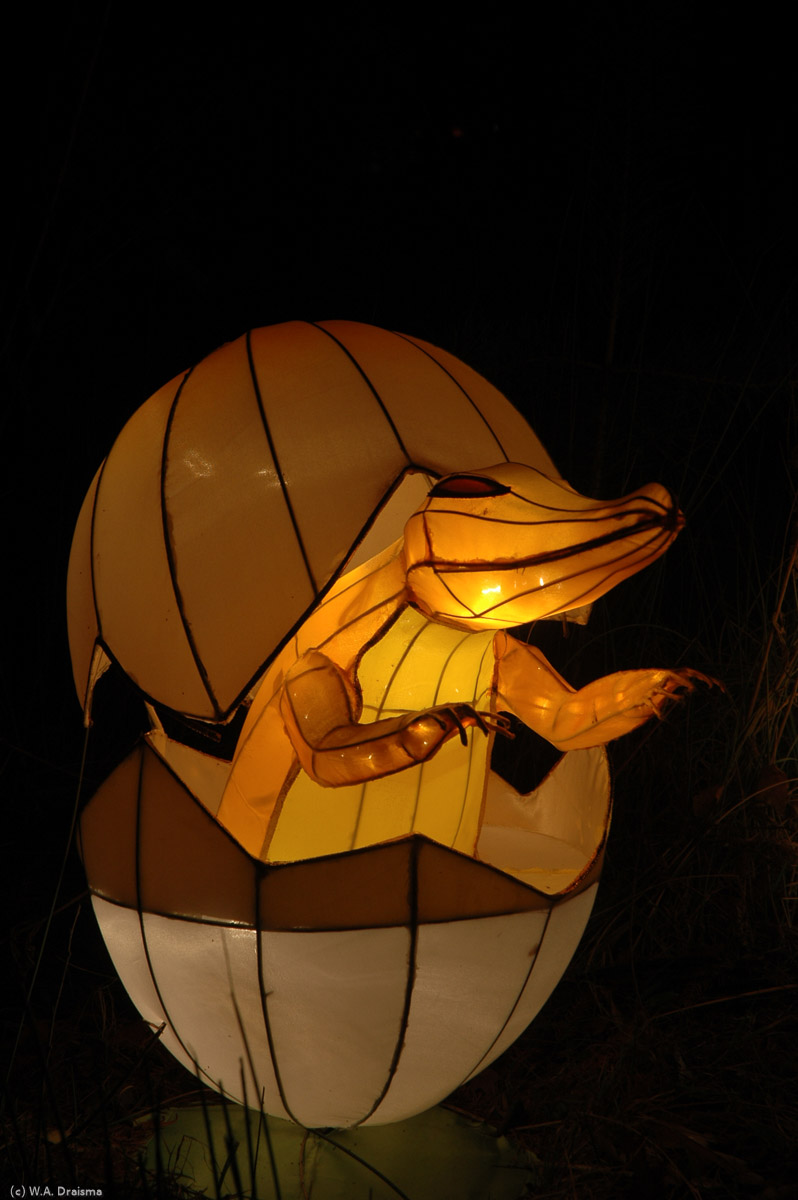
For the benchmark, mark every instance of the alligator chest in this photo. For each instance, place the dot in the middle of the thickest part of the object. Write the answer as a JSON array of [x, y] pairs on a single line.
[[416, 665]]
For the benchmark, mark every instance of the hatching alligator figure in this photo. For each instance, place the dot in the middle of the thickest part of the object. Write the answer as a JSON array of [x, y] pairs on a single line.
[[341, 708]]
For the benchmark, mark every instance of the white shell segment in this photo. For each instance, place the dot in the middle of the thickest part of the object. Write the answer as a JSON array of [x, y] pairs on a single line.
[[328, 1039], [469, 975]]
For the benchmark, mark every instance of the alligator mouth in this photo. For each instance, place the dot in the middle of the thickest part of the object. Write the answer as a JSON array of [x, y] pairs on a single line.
[[668, 524], [590, 569], [498, 566]]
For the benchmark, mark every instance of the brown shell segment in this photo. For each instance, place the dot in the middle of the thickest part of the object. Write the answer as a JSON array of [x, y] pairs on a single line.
[[235, 495]]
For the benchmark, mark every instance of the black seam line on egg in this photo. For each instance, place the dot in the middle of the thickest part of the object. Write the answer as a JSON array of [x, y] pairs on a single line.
[[98, 618], [458, 385], [478, 1065], [171, 915], [171, 559], [330, 927], [369, 384], [412, 927], [264, 995], [276, 458], [143, 932], [448, 566], [260, 1092], [330, 583]]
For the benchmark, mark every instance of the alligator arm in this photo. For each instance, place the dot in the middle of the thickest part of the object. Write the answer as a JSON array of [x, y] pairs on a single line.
[[528, 685], [320, 706]]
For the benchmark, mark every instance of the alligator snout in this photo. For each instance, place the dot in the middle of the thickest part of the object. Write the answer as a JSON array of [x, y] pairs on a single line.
[[506, 545]]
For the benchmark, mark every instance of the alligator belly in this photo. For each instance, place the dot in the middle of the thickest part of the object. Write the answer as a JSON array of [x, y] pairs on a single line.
[[418, 664]]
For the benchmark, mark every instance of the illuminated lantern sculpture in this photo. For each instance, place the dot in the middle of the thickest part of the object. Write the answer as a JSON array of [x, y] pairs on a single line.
[[331, 529]]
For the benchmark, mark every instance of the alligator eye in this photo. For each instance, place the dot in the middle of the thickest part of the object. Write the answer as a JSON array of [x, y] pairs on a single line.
[[461, 486]]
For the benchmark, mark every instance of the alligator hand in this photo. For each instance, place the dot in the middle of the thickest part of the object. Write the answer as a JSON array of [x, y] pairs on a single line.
[[426, 731], [615, 705], [603, 710], [660, 688]]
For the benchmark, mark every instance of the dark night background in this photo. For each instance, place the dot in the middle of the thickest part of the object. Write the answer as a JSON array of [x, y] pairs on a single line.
[[596, 209]]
